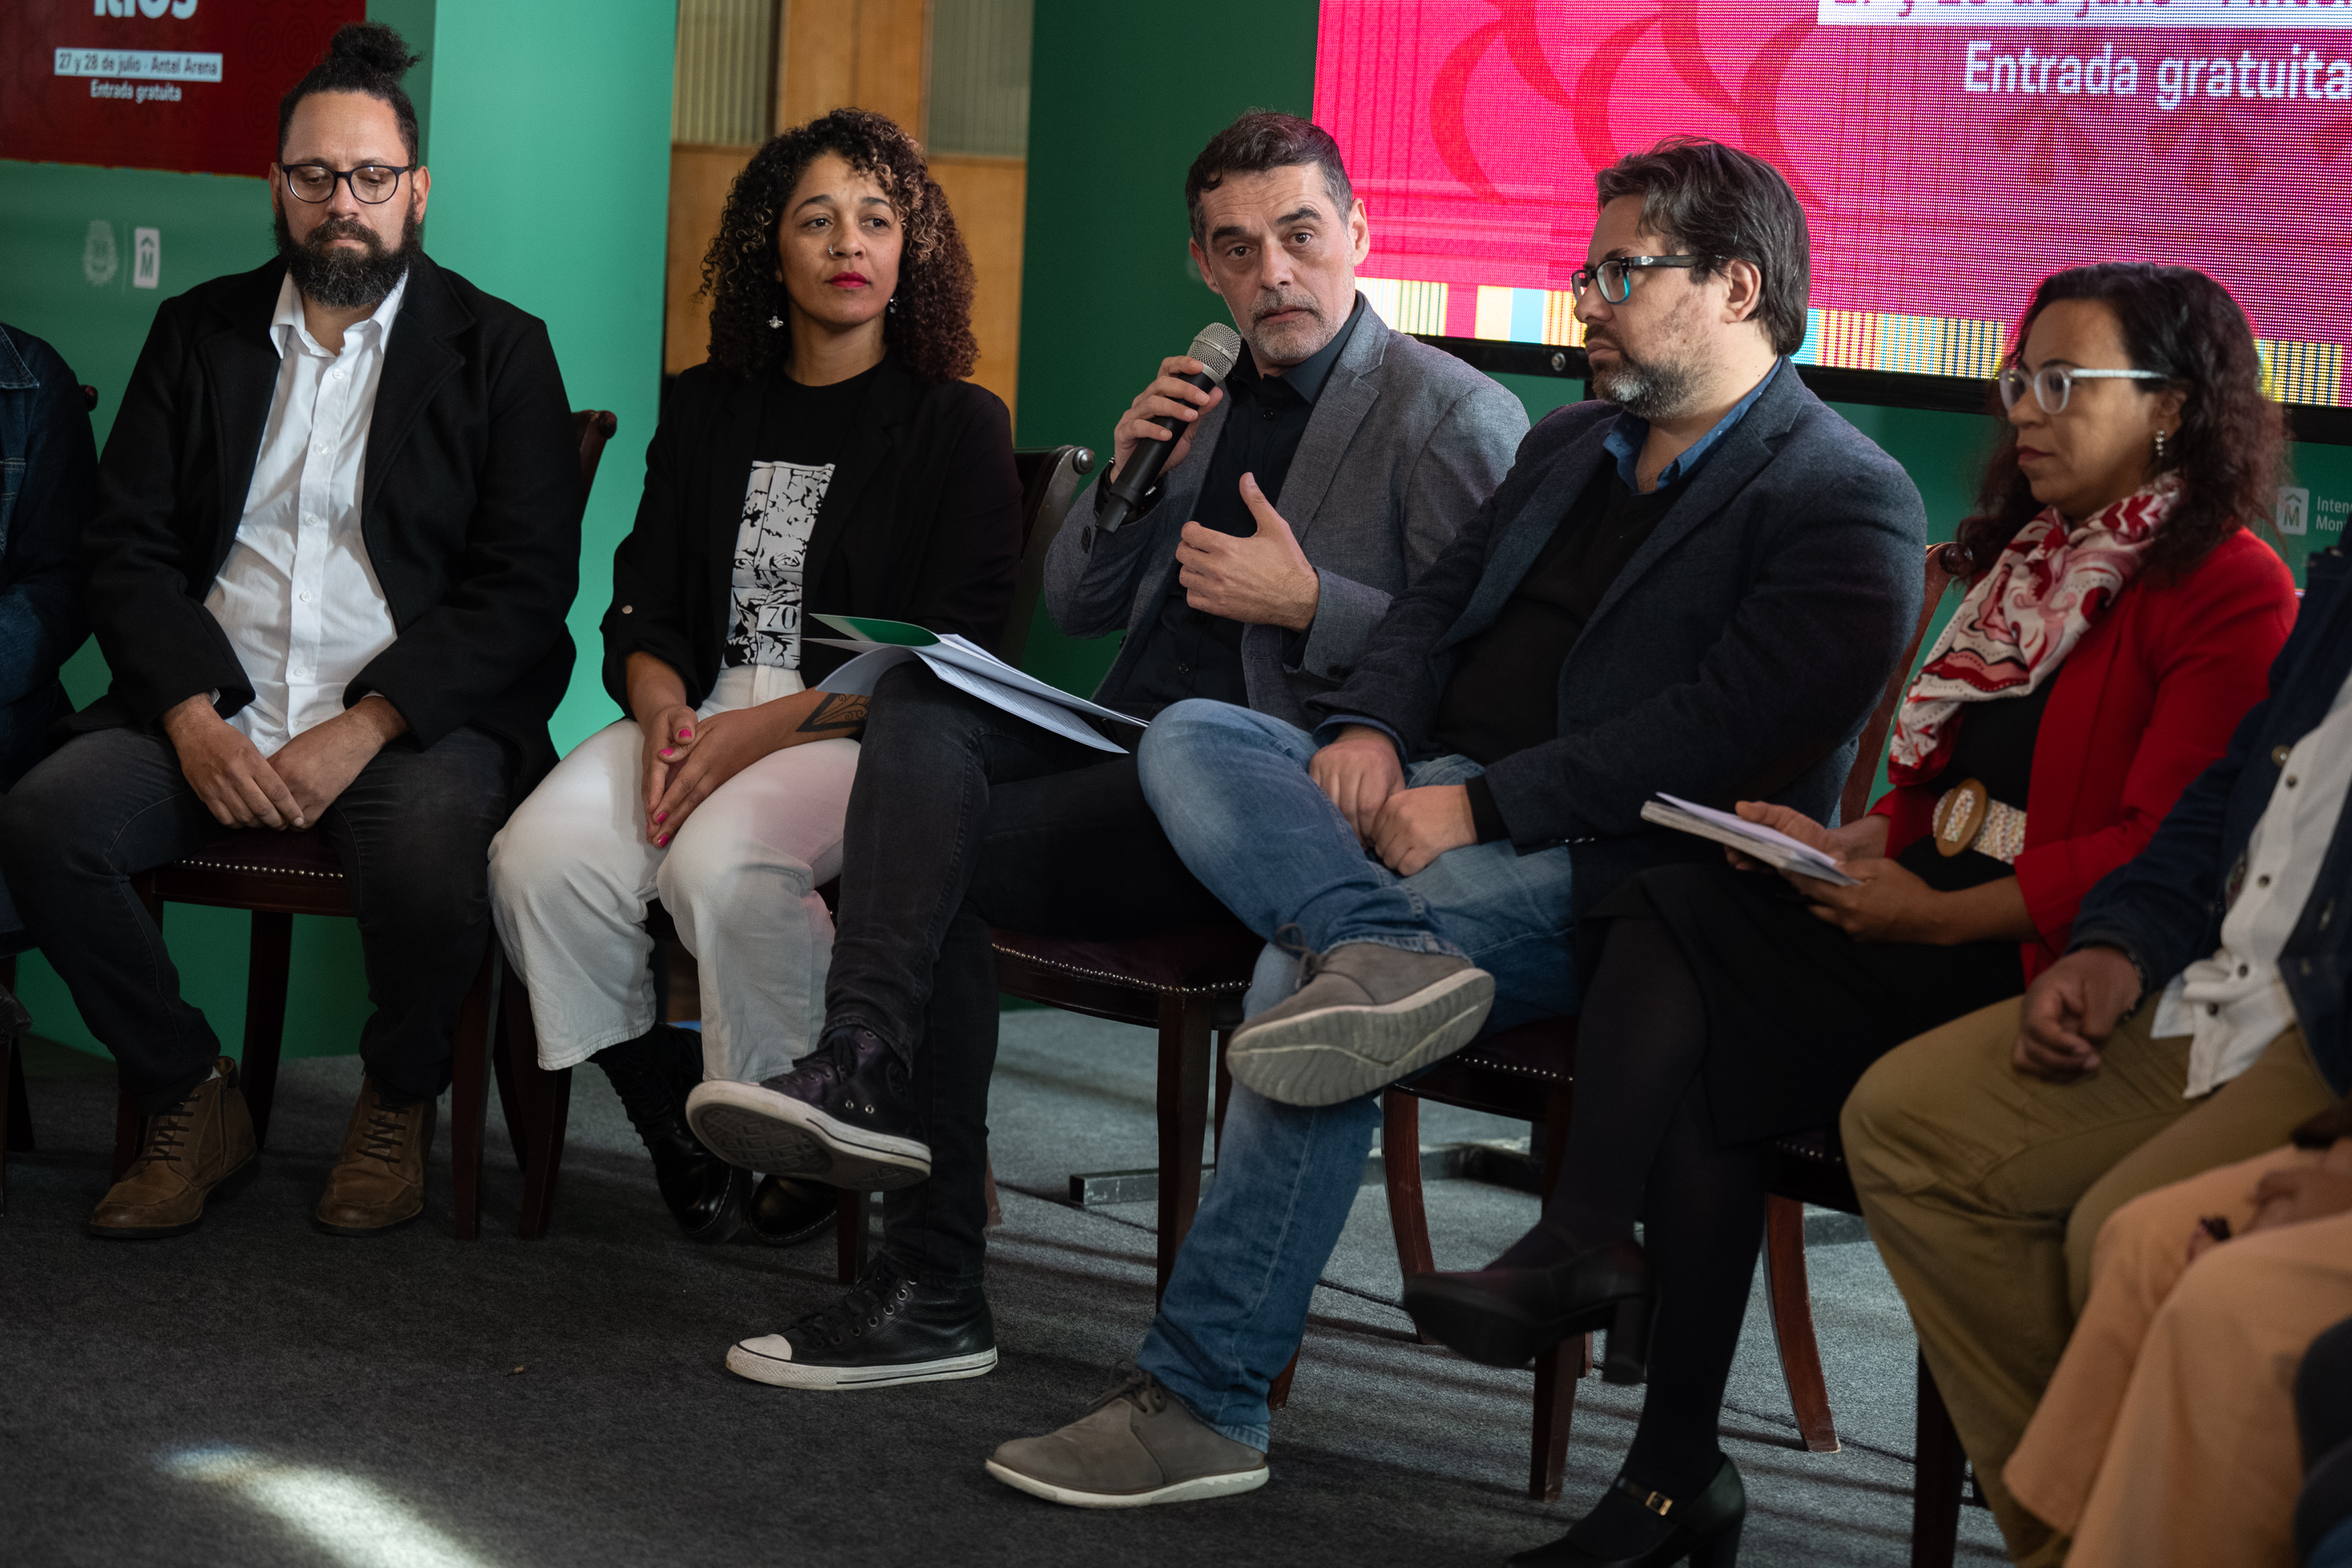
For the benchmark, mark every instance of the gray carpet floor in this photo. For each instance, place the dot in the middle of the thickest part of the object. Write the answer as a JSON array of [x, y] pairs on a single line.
[[256, 1393]]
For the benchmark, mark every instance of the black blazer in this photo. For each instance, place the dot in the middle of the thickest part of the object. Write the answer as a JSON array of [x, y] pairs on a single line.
[[470, 511], [1736, 655], [921, 524]]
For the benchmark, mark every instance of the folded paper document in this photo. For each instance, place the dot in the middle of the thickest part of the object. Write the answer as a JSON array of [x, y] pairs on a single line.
[[1753, 839], [966, 667]]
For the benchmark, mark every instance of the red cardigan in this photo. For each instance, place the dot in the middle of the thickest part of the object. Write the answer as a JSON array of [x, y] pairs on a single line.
[[2144, 703]]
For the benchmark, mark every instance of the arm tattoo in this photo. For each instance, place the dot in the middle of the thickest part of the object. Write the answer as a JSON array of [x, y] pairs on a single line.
[[835, 711]]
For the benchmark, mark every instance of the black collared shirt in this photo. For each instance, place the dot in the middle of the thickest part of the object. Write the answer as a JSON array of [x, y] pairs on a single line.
[[1188, 652]]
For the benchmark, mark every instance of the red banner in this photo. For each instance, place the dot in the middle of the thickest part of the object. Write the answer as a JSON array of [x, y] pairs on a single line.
[[156, 84]]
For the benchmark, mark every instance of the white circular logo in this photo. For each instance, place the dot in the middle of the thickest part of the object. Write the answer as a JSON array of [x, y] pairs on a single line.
[[99, 262]]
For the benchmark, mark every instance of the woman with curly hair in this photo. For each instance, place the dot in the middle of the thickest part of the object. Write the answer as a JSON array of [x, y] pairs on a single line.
[[2117, 627], [827, 458]]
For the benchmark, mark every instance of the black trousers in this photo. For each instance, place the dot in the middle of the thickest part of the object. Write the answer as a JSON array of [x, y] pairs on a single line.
[[962, 817], [412, 831]]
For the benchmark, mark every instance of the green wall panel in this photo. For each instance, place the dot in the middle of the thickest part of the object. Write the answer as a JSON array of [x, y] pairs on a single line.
[[551, 148]]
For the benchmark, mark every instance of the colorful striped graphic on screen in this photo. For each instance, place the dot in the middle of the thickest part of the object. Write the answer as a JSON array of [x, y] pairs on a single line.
[[1529, 316], [2302, 372], [1849, 340], [1407, 307], [1915, 345]]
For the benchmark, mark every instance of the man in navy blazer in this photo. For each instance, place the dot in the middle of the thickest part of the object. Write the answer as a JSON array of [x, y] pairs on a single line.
[[1698, 584]]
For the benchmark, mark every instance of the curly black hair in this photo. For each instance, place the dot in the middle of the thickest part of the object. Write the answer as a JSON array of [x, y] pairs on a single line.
[[930, 324], [2230, 449]]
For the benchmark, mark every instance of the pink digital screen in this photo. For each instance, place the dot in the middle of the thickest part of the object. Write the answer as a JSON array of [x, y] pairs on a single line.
[[1949, 153]]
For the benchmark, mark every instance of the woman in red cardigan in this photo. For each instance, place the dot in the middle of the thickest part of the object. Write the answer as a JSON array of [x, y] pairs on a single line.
[[2119, 624]]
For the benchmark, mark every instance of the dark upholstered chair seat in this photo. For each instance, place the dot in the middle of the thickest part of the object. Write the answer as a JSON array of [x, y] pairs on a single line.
[[304, 854], [1210, 960], [1501, 1073], [1809, 1167], [259, 868]]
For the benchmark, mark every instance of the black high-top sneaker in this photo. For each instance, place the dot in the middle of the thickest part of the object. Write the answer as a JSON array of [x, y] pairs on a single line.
[[884, 1330], [652, 1075], [845, 1116]]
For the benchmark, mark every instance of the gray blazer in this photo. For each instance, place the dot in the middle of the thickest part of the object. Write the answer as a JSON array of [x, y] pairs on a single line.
[[1404, 445], [1736, 657]]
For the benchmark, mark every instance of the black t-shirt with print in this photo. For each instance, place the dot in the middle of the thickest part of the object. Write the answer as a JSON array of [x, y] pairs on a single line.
[[804, 433]]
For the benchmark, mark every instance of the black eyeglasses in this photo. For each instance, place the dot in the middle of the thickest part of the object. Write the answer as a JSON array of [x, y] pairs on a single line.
[[371, 182], [1616, 274]]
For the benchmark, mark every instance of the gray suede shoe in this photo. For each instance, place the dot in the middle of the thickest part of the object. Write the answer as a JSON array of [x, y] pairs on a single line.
[[1137, 1445], [1363, 1016]]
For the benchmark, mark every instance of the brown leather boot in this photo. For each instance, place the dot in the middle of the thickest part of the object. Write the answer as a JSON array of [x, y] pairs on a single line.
[[378, 1182], [187, 1153]]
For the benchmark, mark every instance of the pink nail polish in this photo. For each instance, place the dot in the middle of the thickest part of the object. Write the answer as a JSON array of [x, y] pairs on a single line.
[[663, 842], [668, 751], [661, 816], [685, 735]]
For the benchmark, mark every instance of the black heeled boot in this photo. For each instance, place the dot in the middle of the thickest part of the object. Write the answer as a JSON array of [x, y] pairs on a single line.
[[653, 1074], [1635, 1527], [785, 1211], [1503, 1316]]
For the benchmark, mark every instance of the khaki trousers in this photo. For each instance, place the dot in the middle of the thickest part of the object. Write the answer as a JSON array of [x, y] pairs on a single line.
[[2168, 1435], [1984, 1190]]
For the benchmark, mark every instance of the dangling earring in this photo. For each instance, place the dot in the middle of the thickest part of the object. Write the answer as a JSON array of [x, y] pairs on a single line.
[[779, 321], [893, 306], [2159, 445]]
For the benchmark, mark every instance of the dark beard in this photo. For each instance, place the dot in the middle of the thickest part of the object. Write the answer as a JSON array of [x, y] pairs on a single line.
[[343, 280], [1645, 390]]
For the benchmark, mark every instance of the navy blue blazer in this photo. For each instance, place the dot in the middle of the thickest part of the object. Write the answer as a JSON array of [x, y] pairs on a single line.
[[1735, 658], [2164, 905]]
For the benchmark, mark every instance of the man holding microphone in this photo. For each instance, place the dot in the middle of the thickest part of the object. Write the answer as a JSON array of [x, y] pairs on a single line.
[[1337, 461]]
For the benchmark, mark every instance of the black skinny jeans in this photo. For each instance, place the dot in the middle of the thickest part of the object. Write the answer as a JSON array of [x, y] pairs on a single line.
[[962, 817], [413, 832]]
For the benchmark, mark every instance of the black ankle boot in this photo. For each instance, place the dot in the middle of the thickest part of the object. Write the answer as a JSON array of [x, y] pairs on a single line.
[[653, 1074], [1635, 1527], [785, 1211], [1504, 1316]]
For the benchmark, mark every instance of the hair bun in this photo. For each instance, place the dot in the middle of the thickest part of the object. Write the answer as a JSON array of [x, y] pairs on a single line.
[[373, 45]]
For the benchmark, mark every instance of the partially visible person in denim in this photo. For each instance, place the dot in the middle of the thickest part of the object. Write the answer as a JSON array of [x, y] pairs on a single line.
[[1698, 582], [48, 469]]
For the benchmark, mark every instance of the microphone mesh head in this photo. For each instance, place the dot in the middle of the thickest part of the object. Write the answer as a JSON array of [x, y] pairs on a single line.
[[1219, 347]]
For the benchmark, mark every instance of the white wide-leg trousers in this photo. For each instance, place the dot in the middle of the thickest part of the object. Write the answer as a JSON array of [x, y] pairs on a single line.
[[573, 873]]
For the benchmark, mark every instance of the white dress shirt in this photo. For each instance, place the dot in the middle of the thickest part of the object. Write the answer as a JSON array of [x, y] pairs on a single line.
[[2233, 1005], [297, 594]]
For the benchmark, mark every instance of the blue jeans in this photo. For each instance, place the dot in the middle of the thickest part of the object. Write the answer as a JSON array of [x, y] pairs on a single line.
[[1231, 787]]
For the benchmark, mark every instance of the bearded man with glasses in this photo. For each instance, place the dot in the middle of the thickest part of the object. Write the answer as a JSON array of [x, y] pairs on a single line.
[[336, 536], [1698, 582]]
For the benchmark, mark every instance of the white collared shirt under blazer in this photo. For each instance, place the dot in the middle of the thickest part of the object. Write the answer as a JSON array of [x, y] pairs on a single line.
[[2233, 1005], [297, 594]]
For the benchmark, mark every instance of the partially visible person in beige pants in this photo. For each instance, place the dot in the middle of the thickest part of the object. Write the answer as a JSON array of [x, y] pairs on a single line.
[[2167, 1435], [1984, 1188]]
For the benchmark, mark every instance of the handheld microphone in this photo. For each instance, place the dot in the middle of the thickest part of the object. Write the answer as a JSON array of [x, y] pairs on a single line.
[[1219, 347]]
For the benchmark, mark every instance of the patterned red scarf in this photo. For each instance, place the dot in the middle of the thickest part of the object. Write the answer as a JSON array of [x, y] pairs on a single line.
[[2022, 618]]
